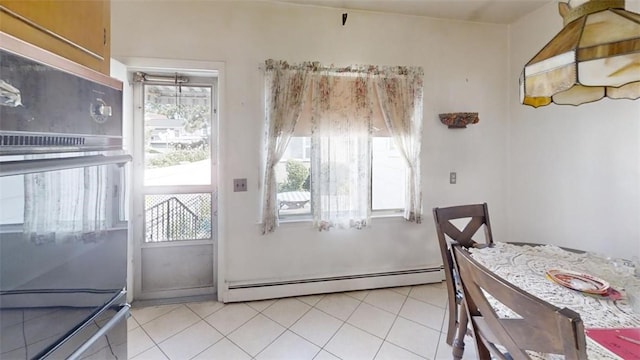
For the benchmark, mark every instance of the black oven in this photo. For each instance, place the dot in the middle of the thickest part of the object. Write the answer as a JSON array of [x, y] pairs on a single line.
[[63, 226]]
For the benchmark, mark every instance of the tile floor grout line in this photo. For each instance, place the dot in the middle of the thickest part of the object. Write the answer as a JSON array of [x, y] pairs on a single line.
[[163, 353], [207, 348], [428, 303], [367, 331], [338, 357], [444, 317], [322, 296], [215, 311], [24, 336], [322, 348], [274, 340], [295, 322], [158, 343], [230, 332], [159, 316], [396, 317], [279, 336], [337, 330], [326, 313], [155, 344], [423, 325], [391, 327], [385, 310], [238, 345], [239, 326], [415, 322]]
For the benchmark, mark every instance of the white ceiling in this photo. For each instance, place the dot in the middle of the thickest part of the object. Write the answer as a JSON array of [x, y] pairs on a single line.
[[487, 11]]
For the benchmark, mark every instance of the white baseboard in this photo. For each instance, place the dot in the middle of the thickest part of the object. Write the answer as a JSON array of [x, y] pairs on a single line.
[[272, 290]]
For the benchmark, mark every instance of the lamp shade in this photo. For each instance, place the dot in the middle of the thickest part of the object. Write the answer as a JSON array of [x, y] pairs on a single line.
[[595, 55]]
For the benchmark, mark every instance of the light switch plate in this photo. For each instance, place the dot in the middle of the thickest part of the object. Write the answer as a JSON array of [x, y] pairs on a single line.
[[239, 185], [453, 177]]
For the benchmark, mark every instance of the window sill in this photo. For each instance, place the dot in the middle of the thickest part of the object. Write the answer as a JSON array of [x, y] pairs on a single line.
[[295, 220], [383, 215]]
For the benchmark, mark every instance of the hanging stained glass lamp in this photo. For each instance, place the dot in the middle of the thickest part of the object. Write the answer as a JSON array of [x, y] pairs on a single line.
[[595, 55]]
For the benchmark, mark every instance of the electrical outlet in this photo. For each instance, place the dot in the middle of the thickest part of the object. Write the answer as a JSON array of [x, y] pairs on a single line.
[[452, 177], [239, 185]]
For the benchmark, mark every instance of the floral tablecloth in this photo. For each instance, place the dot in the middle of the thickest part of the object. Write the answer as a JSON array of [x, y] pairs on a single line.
[[525, 267]]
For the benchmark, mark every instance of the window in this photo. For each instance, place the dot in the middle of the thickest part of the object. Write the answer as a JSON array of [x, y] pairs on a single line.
[[293, 174], [330, 156], [388, 176]]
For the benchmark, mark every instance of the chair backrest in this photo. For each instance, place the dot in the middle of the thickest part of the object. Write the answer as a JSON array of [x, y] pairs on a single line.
[[479, 216], [542, 327]]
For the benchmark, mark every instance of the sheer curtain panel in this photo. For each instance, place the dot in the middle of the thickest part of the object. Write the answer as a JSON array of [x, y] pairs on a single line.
[[285, 93], [341, 147], [400, 95]]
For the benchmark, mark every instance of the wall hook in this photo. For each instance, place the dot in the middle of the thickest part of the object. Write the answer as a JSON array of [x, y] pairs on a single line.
[[344, 19]]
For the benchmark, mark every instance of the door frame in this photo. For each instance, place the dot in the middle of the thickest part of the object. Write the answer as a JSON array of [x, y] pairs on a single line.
[[136, 128]]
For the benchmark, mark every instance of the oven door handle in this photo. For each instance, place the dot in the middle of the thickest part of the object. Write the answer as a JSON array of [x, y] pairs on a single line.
[[119, 316], [10, 168]]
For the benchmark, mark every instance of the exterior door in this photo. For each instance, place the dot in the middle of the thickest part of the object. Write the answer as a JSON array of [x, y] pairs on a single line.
[[176, 205]]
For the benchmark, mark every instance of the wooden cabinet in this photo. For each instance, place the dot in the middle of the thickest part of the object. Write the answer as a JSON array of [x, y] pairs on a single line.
[[76, 30]]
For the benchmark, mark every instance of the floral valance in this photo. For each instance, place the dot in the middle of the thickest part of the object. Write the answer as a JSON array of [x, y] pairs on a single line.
[[315, 66]]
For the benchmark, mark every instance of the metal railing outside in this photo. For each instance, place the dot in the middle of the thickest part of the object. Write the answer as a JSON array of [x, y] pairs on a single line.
[[178, 217]]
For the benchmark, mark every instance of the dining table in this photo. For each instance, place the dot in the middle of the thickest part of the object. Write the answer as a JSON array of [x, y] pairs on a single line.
[[526, 267]]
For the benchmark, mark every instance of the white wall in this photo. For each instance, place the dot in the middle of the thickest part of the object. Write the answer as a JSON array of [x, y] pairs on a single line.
[[464, 65], [574, 172]]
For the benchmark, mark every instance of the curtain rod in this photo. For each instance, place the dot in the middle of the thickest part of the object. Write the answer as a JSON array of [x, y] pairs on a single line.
[[170, 79]]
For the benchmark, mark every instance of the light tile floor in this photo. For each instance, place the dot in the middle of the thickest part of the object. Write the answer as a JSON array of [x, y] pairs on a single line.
[[394, 323]]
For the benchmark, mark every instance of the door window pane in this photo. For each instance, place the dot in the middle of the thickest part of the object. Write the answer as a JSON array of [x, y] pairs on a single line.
[[177, 133]]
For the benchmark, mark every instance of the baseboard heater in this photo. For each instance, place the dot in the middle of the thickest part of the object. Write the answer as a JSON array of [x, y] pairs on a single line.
[[300, 287]]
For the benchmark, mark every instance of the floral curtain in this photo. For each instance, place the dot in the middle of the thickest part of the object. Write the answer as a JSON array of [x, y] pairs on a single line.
[[400, 95], [341, 162], [286, 87], [342, 103], [65, 205]]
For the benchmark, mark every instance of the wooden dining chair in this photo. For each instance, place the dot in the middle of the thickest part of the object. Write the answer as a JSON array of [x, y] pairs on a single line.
[[541, 327], [479, 217]]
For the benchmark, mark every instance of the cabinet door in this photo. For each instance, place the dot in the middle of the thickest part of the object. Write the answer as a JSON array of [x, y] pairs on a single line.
[[77, 30]]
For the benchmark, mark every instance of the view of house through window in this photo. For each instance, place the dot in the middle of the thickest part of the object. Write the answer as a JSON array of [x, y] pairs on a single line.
[[293, 173], [177, 132]]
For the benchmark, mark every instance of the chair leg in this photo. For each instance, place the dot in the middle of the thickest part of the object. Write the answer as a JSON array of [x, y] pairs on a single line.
[[458, 343], [453, 320]]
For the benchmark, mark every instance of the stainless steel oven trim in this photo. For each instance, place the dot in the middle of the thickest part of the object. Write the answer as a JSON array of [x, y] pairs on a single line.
[[118, 300], [23, 142], [20, 167], [121, 315]]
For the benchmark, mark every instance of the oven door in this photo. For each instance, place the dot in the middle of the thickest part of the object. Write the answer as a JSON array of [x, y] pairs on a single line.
[[63, 255]]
